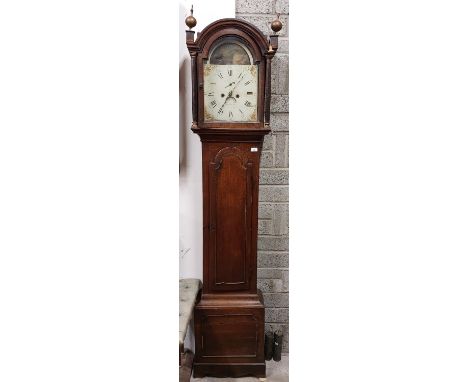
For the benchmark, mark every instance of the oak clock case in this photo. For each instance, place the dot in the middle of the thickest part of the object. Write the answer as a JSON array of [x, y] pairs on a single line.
[[231, 65]]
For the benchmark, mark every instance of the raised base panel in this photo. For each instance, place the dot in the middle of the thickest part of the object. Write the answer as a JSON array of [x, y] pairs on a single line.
[[229, 370], [229, 339]]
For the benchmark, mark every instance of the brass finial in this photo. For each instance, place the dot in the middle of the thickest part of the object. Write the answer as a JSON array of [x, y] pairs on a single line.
[[191, 21], [276, 25]]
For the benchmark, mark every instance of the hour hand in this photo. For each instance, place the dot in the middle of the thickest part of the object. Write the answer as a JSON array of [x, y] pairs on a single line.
[[232, 83]]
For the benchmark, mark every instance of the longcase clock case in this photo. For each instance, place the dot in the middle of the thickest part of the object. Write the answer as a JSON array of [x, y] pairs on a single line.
[[230, 315]]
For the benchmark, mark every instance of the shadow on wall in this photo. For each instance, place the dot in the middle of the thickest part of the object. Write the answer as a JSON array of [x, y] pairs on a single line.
[[184, 70], [182, 117]]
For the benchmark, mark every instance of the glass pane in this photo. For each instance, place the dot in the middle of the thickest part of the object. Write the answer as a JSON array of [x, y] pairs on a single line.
[[230, 52]]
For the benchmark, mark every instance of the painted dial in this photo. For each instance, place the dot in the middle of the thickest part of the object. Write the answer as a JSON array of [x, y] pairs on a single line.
[[230, 93]]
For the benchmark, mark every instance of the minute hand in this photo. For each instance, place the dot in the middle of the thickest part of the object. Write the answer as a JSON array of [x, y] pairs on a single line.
[[228, 96], [238, 82]]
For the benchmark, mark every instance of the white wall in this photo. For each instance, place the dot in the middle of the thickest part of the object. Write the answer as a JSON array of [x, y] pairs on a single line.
[[190, 174]]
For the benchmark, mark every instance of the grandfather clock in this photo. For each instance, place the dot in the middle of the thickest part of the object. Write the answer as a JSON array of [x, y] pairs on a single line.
[[231, 66]]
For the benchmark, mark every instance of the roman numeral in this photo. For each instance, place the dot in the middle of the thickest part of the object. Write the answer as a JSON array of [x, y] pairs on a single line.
[[213, 103], [241, 112], [220, 111], [239, 76], [248, 82], [248, 93], [211, 94], [230, 114], [230, 72], [220, 75], [247, 103]]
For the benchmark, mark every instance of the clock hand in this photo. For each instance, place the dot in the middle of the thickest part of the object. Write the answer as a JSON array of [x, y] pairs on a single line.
[[238, 82], [228, 96], [230, 93]]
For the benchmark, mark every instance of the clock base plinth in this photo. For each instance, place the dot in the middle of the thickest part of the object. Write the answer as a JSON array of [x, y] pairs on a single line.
[[229, 370], [229, 336]]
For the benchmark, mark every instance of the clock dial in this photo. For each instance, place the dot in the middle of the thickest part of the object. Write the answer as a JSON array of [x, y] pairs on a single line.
[[230, 93]]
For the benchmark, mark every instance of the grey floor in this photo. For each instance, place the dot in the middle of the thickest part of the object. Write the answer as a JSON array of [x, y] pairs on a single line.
[[275, 372]]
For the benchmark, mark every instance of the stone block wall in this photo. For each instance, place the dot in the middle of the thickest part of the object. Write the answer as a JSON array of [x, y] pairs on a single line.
[[273, 239]]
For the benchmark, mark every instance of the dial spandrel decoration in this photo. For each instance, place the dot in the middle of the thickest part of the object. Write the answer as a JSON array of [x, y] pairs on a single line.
[[230, 93]]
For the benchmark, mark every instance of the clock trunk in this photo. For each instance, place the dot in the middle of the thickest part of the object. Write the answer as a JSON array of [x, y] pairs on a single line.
[[230, 316], [230, 183]]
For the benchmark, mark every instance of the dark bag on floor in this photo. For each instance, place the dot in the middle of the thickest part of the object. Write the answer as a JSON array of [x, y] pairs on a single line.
[[269, 344], [278, 345]]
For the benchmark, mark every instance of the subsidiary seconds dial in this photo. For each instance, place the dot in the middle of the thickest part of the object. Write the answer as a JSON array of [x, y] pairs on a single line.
[[230, 93]]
